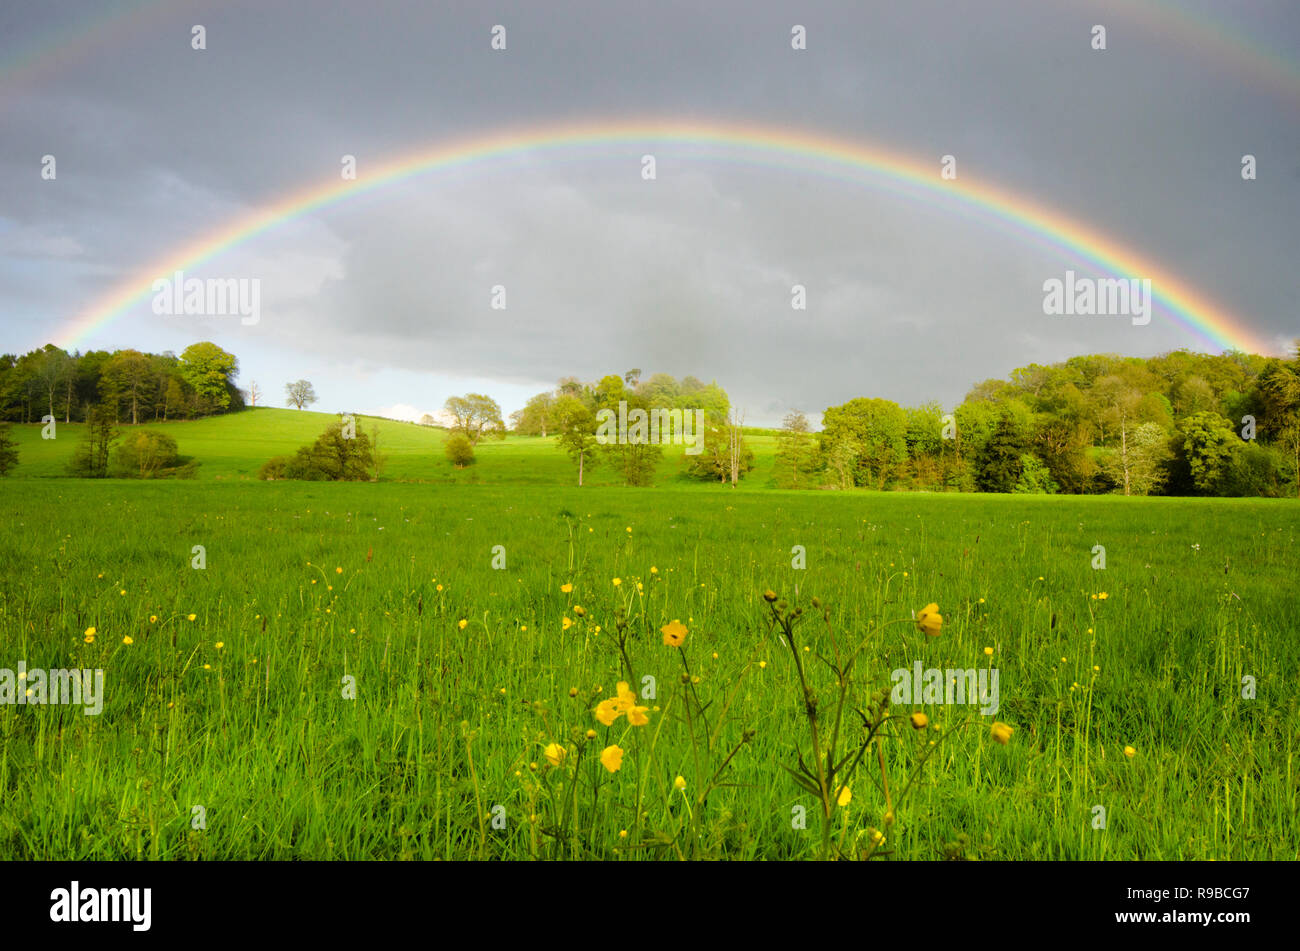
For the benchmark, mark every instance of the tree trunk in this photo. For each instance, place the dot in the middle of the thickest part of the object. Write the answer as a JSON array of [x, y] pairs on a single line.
[[580, 457], [1123, 442]]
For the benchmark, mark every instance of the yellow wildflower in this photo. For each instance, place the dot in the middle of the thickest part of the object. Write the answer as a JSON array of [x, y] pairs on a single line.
[[612, 758], [674, 633], [929, 621]]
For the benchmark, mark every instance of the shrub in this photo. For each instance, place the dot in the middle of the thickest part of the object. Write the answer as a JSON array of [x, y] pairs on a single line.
[[273, 468], [459, 450], [144, 454], [337, 455]]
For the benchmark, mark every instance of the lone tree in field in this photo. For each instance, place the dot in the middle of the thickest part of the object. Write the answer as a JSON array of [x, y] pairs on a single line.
[[254, 393], [8, 450], [460, 451], [299, 394], [475, 414], [577, 426]]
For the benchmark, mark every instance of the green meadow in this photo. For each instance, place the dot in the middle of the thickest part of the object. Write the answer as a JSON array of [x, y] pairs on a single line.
[[234, 446], [397, 671]]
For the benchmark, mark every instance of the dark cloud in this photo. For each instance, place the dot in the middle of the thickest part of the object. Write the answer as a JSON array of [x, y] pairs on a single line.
[[159, 145]]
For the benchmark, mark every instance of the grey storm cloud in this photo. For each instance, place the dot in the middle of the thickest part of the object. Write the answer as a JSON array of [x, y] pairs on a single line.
[[159, 145]]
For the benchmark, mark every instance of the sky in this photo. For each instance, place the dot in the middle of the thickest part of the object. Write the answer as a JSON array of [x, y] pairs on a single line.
[[384, 299]]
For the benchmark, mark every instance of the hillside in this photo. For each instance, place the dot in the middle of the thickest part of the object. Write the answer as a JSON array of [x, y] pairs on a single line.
[[234, 446]]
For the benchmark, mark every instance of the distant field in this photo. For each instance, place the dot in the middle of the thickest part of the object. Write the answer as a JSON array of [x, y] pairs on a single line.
[[231, 735], [236, 445]]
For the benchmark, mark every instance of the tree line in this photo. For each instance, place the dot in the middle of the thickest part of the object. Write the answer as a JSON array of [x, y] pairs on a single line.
[[1181, 423], [131, 386]]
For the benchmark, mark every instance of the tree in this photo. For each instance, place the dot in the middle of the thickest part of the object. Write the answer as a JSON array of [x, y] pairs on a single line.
[[879, 428], [724, 455], [90, 458], [254, 393], [796, 451], [1279, 387], [475, 414], [577, 430], [299, 394], [537, 418], [8, 450], [1208, 441], [460, 450], [427, 420], [54, 371], [999, 465], [125, 380], [335, 456], [210, 372]]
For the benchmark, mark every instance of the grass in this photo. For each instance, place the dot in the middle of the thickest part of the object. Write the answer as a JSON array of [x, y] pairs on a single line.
[[234, 446], [252, 750]]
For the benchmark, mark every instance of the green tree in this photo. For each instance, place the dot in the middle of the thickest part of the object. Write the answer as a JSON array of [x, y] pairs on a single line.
[[577, 431], [1000, 465], [1208, 441], [879, 428], [796, 452], [8, 450], [335, 456], [210, 372], [126, 380], [460, 450], [475, 414], [90, 458]]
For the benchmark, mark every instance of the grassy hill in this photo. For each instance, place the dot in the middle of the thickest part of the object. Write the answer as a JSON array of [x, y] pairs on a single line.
[[235, 446]]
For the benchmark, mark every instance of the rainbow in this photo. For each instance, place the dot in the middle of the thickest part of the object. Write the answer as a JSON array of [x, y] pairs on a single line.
[[768, 146]]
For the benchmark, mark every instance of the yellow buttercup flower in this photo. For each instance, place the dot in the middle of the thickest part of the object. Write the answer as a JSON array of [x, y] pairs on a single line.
[[128, 640], [612, 758], [579, 610], [567, 622], [566, 588], [929, 621], [679, 783], [617, 582], [338, 571], [988, 652], [919, 721], [654, 570], [153, 619], [607, 711], [191, 617], [1001, 732], [462, 624], [674, 633], [844, 798], [769, 595], [1130, 752], [90, 632], [555, 754]]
